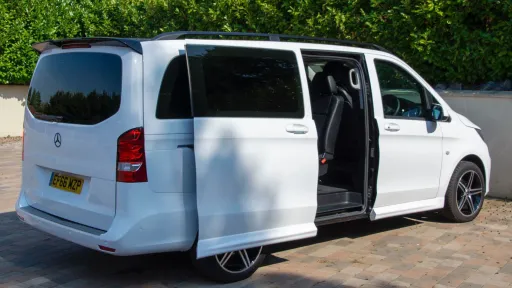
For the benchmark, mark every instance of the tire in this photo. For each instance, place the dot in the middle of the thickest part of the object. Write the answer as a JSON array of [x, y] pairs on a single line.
[[462, 203], [234, 269]]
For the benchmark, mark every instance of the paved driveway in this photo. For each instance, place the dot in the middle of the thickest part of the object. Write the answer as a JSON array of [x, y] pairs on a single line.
[[417, 251]]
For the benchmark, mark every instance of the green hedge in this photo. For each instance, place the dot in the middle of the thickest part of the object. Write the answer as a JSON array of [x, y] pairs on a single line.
[[467, 41]]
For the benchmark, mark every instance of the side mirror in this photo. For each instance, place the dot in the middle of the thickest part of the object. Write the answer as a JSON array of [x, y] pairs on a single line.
[[438, 113], [332, 85]]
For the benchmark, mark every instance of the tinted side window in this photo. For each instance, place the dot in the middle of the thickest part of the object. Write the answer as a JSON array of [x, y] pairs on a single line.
[[402, 95], [174, 96], [244, 82], [79, 88]]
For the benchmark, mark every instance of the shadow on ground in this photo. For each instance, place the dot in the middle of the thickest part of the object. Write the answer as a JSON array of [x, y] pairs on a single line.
[[26, 253], [351, 230]]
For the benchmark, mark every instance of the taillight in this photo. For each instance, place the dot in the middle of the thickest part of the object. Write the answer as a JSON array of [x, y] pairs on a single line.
[[23, 145], [131, 159]]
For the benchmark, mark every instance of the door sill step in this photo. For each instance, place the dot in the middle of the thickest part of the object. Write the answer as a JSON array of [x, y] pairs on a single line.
[[340, 217]]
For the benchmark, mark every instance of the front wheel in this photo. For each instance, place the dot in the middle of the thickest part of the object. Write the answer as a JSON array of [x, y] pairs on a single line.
[[465, 194], [231, 266]]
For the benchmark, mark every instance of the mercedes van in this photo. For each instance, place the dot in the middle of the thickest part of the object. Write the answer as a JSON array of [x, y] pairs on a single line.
[[229, 142]]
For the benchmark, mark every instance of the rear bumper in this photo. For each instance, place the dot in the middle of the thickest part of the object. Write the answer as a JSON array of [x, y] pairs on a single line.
[[167, 222]]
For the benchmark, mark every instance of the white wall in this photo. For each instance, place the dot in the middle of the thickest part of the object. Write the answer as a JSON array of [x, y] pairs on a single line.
[[492, 112], [12, 105]]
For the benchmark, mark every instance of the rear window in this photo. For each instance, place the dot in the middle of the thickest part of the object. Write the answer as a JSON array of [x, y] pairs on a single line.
[[244, 82], [78, 88]]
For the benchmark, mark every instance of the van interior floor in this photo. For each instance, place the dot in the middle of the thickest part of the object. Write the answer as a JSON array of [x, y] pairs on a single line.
[[337, 199]]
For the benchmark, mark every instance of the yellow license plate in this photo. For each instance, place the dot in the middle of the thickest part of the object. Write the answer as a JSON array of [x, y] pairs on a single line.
[[67, 183]]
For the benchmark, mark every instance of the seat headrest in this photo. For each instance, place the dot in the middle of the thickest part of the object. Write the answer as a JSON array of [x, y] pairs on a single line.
[[339, 71], [319, 86]]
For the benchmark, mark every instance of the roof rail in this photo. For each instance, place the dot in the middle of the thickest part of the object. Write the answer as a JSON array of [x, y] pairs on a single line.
[[271, 37]]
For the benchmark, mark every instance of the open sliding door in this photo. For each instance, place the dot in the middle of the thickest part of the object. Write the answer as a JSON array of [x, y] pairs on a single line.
[[255, 145]]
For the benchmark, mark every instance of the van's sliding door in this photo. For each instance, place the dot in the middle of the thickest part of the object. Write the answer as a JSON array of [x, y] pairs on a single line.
[[255, 145]]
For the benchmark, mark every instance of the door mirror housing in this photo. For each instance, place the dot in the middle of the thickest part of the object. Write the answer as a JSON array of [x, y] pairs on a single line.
[[437, 113]]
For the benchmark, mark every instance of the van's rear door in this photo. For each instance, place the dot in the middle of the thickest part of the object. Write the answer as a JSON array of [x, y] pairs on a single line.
[[80, 101], [255, 145]]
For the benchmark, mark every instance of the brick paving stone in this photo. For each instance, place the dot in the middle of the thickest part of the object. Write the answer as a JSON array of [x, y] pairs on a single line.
[[443, 253], [478, 279], [343, 242], [326, 251], [352, 270], [496, 283], [398, 283], [354, 282], [387, 277], [450, 263], [424, 283], [403, 266], [327, 284], [488, 270], [461, 256], [429, 278], [455, 278], [469, 285], [373, 259], [376, 284], [507, 269], [428, 263], [338, 279], [36, 281], [366, 275], [454, 245], [377, 268]]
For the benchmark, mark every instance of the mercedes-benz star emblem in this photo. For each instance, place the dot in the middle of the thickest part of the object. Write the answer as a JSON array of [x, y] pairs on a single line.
[[57, 140]]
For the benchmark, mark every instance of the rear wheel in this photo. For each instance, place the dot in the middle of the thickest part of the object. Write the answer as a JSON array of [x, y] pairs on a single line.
[[465, 194], [231, 266]]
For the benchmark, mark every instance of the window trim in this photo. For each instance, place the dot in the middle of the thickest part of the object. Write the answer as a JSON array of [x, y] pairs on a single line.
[[423, 93]]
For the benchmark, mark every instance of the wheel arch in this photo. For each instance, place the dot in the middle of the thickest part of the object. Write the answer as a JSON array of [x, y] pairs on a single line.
[[450, 166], [478, 162]]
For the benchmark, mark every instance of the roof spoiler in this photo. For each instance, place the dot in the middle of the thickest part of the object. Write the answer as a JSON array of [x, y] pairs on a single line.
[[133, 44]]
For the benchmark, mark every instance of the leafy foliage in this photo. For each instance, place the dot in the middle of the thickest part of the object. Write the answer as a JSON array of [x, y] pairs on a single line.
[[466, 41]]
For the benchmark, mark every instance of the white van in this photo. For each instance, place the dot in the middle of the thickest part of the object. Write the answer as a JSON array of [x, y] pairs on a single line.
[[221, 147]]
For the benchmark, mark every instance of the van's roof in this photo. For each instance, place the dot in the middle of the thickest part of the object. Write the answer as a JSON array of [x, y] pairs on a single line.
[[135, 43]]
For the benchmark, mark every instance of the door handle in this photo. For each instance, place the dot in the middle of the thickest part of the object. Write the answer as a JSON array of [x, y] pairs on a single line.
[[297, 129], [393, 127]]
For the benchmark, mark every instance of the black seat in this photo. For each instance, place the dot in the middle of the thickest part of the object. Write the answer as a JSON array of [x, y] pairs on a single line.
[[349, 158], [349, 126], [327, 108], [340, 72]]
